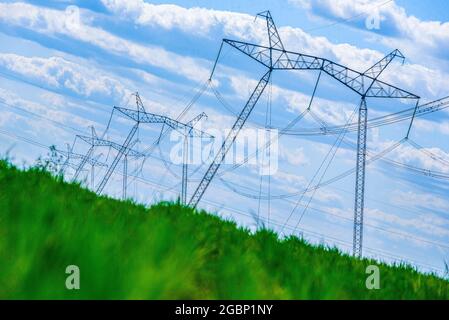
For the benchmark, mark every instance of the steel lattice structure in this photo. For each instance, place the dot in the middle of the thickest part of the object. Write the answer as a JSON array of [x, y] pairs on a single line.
[[275, 57], [69, 154], [365, 84], [94, 141], [186, 154], [140, 115], [227, 143]]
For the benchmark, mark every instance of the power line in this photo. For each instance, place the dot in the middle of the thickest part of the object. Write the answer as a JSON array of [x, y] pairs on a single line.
[[34, 114], [275, 57], [326, 212], [273, 222], [347, 19], [38, 144]]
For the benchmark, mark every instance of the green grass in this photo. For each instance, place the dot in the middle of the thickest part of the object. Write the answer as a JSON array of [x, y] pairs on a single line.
[[127, 251]]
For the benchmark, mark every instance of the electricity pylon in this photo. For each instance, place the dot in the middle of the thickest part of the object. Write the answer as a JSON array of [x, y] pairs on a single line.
[[69, 154], [374, 72], [275, 57], [94, 141], [141, 116], [186, 154]]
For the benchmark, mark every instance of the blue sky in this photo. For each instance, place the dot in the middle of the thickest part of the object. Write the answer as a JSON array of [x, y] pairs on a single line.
[[58, 77]]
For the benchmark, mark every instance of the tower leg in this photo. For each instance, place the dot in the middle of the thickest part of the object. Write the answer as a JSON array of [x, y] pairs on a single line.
[[125, 176], [227, 143], [360, 179], [184, 170], [92, 177]]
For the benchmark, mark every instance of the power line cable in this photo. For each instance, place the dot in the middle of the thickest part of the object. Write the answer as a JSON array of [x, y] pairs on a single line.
[[347, 19]]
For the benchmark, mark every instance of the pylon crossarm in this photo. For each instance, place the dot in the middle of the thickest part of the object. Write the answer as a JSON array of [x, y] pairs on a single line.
[[96, 163], [186, 129], [259, 53], [363, 84], [98, 142], [141, 116], [197, 119], [382, 64], [360, 83], [147, 117], [75, 156], [273, 35]]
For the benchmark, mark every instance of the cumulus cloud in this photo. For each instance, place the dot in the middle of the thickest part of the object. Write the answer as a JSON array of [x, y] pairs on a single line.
[[59, 73], [423, 200], [428, 224], [47, 123], [410, 155], [202, 22], [394, 21], [294, 156], [55, 22], [198, 21]]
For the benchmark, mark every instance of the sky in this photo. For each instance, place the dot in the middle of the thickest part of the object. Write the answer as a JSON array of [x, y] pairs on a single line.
[[64, 65]]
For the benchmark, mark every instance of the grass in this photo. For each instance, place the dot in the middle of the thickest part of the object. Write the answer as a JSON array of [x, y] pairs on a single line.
[[127, 251]]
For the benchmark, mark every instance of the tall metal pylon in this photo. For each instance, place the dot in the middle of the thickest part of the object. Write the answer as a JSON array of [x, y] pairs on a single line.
[[274, 42], [275, 57], [186, 155], [94, 141], [125, 168], [360, 179], [69, 154], [359, 196], [84, 160], [142, 116]]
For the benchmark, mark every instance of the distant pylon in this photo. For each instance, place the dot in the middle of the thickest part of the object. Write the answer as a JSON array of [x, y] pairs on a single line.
[[95, 141], [276, 57], [359, 197], [142, 116], [93, 161]]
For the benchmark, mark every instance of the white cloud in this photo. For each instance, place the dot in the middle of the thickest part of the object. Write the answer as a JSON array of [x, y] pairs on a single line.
[[199, 21], [408, 154], [54, 108], [294, 156], [59, 73], [430, 36], [428, 224], [54, 22], [292, 181], [423, 200]]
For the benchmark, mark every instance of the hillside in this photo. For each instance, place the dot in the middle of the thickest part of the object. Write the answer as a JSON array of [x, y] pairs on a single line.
[[168, 251]]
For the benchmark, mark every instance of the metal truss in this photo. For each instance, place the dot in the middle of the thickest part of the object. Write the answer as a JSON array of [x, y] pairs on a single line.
[[365, 84], [140, 115]]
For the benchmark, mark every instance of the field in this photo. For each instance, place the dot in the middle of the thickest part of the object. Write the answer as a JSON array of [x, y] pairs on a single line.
[[127, 251]]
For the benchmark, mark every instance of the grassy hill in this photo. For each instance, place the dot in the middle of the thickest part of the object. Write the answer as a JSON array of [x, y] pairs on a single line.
[[167, 251]]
